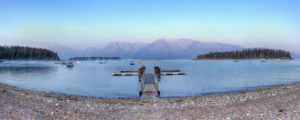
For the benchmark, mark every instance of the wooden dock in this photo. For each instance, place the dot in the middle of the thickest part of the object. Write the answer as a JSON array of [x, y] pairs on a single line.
[[149, 77], [149, 88]]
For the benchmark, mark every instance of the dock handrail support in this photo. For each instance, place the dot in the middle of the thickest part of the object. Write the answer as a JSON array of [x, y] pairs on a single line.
[[155, 82], [157, 72], [141, 72], [143, 83]]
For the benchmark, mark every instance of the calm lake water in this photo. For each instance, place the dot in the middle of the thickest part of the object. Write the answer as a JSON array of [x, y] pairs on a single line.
[[92, 79]]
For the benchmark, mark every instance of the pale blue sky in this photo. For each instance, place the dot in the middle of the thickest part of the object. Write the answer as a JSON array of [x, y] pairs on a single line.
[[88, 23]]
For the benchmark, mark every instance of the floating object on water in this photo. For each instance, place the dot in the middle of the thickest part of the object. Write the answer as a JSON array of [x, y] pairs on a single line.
[[102, 62], [181, 73], [142, 62], [117, 74], [169, 74], [278, 60], [170, 71], [70, 64], [236, 61], [127, 74], [78, 62], [131, 63], [62, 63], [184, 73], [127, 71], [263, 61]]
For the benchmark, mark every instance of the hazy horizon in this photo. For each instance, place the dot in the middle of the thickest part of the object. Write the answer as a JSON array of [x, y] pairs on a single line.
[[83, 24]]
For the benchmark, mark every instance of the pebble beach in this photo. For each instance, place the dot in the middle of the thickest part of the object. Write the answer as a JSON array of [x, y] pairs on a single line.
[[278, 102]]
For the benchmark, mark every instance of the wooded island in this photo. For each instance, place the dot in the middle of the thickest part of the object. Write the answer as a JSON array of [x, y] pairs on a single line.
[[26, 53], [255, 53]]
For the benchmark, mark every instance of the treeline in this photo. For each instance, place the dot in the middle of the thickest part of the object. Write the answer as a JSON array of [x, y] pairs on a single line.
[[95, 58], [26, 53], [255, 53]]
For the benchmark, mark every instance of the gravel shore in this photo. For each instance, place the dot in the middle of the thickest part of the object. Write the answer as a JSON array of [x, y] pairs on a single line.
[[280, 102]]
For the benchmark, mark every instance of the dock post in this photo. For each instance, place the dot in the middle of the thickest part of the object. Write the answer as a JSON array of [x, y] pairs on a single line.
[[157, 72]]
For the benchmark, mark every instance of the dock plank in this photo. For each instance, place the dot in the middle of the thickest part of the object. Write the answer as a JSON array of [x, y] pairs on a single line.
[[150, 91], [149, 97]]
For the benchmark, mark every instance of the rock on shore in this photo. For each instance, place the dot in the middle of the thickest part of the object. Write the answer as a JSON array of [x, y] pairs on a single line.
[[280, 102]]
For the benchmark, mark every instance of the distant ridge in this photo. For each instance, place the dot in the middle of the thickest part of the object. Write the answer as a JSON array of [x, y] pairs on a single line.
[[121, 49], [180, 49], [158, 49]]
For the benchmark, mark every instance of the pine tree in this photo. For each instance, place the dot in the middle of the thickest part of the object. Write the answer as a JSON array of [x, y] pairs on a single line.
[[20, 52]]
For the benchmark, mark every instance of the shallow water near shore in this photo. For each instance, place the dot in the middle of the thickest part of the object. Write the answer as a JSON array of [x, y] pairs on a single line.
[[89, 78]]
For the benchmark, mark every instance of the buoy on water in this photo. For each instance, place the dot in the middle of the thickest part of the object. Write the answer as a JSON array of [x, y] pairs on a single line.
[[70, 65]]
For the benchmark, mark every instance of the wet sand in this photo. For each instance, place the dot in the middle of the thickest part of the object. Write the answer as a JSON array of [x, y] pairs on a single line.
[[280, 102]]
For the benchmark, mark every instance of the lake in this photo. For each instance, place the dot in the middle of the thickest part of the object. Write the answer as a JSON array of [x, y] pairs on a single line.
[[89, 78]]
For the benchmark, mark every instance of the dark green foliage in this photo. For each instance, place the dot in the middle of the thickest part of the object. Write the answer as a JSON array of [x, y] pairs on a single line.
[[256, 53], [26, 53]]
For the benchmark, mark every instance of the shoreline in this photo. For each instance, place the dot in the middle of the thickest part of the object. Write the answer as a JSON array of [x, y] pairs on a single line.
[[281, 101], [248, 89]]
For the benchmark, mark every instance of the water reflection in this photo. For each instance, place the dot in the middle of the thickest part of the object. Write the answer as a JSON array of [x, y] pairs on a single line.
[[26, 70]]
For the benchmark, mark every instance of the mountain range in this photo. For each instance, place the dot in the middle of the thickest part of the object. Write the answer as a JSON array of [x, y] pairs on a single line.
[[158, 49]]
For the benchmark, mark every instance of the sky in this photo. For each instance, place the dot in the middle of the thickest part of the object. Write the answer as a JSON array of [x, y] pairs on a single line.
[[95, 23]]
